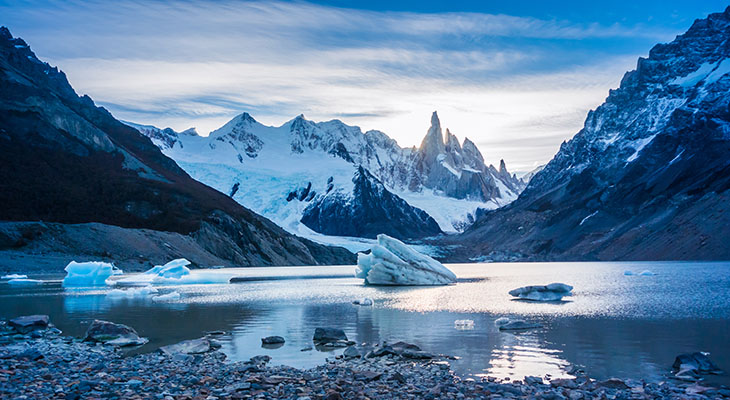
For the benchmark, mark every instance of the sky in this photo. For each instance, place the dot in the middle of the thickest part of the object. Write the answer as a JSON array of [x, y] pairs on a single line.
[[516, 77]]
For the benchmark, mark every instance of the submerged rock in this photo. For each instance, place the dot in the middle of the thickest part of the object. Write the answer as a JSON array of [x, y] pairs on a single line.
[[551, 292], [391, 262], [328, 335], [114, 334], [28, 323], [269, 340], [193, 346]]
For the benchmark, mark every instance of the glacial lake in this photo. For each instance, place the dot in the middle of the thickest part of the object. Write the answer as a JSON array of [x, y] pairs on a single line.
[[613, 326]]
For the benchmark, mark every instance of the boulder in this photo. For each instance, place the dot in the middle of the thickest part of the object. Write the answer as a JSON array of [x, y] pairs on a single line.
[[114, 334], [551, 292], [269, 340], [328, 335], [28, 323], [691, 366]]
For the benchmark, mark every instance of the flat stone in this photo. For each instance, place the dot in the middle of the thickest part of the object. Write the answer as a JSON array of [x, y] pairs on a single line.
[[272, 340], [326, 335], [28, 323], [114, 334], [194, 346]]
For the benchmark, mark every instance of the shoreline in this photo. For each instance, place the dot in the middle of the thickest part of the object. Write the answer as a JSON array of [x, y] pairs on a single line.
[[43, 363]]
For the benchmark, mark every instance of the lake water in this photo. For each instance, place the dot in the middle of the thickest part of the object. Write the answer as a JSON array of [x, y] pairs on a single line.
[[613, 326]]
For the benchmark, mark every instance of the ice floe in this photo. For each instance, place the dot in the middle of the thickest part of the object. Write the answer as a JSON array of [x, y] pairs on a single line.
[[133, 293], [174, 272], [88, 274], [363, 302], [464, 324], [24, 282], [551, 292], [15, 276], [507, 324], [642, 273], [391, 262]]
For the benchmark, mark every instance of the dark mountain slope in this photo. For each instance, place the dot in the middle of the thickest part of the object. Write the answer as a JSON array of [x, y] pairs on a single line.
[[65, 160], [647, 178]]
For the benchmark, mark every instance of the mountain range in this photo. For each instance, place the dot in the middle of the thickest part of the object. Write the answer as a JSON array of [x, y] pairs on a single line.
[[328, 180], [72, 174]]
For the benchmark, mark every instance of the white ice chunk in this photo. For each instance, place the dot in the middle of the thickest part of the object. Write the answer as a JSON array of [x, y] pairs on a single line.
[[646, 273], [167, 297], [24, 282], [628, 273], [175, 272], [551, 292], [15, 276], [88, 274], [501, 321], [363, 302], [464, 324], [133, 293], [392, 262]]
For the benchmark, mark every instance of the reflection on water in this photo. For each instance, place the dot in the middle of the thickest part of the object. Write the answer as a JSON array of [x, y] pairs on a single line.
[[614, 325]]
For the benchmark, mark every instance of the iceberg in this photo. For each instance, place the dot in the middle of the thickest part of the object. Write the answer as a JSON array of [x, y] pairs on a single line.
[[24, 282], [551, 292], [88, 274], [365, 301], [175, 272], [646, 273], [15, 276], [507, 324], [392, 262], [628, 273], [464, 324]]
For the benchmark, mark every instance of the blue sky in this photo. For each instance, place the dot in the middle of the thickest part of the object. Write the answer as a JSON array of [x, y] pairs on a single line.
[[516, 77]]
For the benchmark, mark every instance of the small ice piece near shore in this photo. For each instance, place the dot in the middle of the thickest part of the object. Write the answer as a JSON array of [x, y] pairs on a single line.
[[88, 274], [464, 324], [392, 262], [172, 296], [551, 292], [363, 302], [24, 282], [646, 273], [15, 276]]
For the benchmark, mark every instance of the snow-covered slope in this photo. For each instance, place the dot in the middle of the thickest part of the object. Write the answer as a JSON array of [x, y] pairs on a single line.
[[266, 168]]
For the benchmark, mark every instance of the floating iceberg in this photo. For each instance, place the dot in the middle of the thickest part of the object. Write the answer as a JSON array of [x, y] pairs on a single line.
[[391, 262], [646, 273], [506, 324], [175, 272], [628, 273], [24, 282], [87, 274], [15, 276], [167, 297], [464, 324], [363, 302], [551, 292]]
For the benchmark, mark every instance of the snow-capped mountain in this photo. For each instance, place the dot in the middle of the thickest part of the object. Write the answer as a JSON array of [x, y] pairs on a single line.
[[71, 172], [528, 176], [648, 175], [264, 168]]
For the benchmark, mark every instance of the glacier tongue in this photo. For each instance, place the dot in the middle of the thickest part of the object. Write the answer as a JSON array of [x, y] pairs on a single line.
[[392, 262]]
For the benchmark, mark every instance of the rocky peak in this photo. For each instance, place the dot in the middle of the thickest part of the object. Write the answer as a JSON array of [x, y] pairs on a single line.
[[433, 143]]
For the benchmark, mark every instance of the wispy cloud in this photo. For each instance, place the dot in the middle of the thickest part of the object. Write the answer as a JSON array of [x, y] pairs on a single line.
[[499, 79]]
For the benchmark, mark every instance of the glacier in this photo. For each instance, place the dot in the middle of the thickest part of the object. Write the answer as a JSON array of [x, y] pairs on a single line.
[[88, 274], [551, 292], [392, 262]]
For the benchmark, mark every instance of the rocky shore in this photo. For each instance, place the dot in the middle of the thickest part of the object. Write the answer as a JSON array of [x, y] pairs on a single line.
[[38, 362]]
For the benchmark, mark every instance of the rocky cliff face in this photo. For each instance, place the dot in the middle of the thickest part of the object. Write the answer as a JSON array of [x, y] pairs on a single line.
[[65, 160], [367, 211], [648, 175]]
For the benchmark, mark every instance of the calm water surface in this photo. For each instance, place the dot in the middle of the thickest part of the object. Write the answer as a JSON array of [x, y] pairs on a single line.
[[613, 326]]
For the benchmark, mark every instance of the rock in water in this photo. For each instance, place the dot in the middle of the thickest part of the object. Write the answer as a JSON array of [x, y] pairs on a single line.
[[194, 346], [272, 340], [551, 292], [691, 366], [391, 262], [29, 323], [114, 334], [88, 274], [328, 335]]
